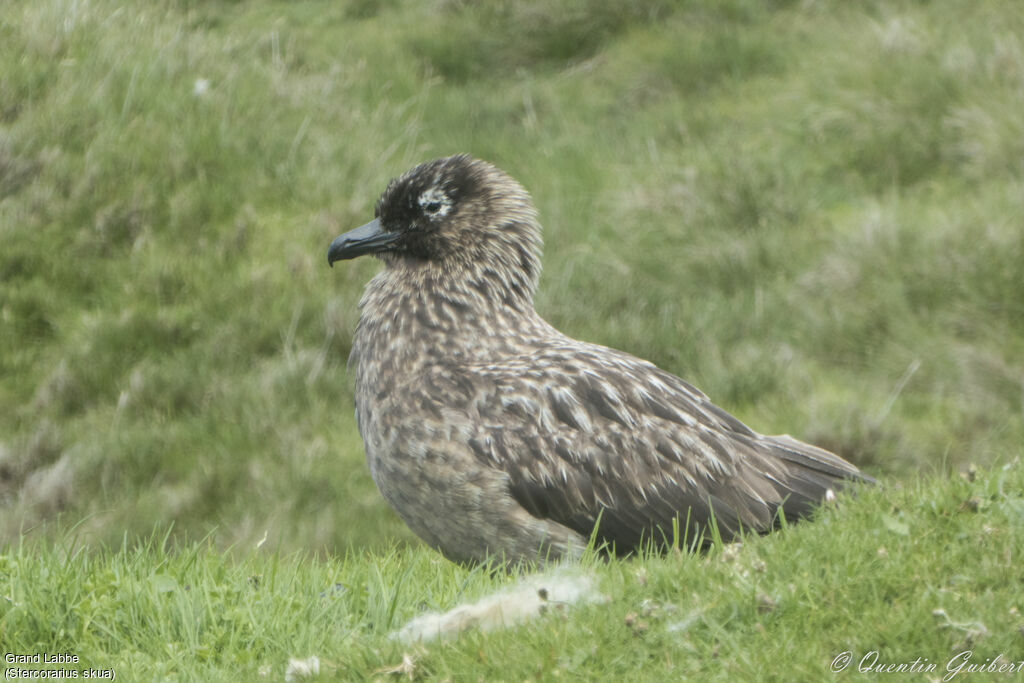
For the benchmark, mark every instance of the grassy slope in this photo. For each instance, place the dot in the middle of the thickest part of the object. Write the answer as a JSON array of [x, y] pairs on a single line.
[[813, 212]]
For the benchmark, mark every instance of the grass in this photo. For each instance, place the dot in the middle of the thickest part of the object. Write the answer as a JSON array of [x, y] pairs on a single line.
[[811, 210], [926, 571]]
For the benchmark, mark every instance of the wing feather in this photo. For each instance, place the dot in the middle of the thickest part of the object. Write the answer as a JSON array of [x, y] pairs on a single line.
[[594, 434]]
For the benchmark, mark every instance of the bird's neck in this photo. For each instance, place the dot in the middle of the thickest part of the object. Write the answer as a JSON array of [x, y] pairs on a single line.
[[413, 315]]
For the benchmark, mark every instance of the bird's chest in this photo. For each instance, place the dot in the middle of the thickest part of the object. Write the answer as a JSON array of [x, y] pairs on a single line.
[[417, 405], [379, 416], [410, 421], [416, 433]]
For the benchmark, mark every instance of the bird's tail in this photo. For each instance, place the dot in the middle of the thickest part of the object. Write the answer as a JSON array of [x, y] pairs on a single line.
[[814, 474]]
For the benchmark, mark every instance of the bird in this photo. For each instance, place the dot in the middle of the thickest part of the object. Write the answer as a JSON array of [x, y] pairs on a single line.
[[494, 435]]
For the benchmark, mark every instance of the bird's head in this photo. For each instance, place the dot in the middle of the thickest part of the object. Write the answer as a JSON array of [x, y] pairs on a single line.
[[452, 213]]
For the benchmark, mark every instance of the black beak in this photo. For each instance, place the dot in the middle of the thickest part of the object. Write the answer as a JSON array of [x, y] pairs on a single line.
[[368, 239]]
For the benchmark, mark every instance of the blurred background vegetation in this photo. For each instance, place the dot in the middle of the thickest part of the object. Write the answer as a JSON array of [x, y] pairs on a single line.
[[812, 210]]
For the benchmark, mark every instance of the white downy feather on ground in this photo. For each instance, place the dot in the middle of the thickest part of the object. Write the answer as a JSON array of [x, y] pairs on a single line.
[[524, 600]]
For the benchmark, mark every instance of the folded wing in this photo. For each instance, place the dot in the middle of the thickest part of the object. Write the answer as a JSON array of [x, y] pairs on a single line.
[[588, 434]]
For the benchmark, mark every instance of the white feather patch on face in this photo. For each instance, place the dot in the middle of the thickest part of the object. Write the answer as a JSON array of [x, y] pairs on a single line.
[[435, 196]]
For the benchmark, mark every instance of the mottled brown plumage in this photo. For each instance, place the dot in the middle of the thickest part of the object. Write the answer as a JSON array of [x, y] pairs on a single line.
[[490, 432]]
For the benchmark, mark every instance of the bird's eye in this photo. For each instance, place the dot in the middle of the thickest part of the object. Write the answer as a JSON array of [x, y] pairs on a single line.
[[433, 207]]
